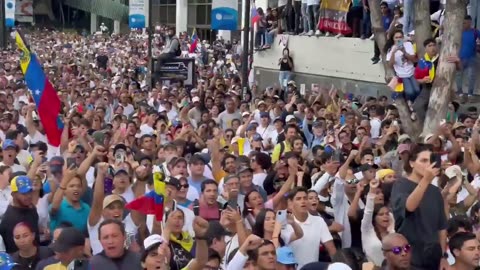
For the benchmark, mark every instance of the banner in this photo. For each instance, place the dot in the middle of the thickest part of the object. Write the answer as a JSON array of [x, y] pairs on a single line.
[[24, 11], [137, 13], [10, 13], [333, 17], [224, 15]]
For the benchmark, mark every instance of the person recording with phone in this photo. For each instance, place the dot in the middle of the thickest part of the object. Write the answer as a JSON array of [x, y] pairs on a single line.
[[418, 209], [401, 57]]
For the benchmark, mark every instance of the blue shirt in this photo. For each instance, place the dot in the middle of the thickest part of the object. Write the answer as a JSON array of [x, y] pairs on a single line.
[[387, 20], [196, 184], [468, 49], [67, 213]]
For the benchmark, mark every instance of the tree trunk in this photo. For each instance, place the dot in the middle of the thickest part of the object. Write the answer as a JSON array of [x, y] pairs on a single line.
[[423, 25], [412, 128], [445, 74]]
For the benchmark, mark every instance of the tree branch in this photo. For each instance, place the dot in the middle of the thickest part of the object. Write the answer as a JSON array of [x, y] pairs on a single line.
[[423, 25], [445, 73], [413, 128]]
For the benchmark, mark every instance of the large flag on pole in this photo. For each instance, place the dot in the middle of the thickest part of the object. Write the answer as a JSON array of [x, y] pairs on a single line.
[[193, 45], [46, 98]]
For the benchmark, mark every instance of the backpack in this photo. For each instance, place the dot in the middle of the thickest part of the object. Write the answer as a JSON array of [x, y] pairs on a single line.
[[177, 51]]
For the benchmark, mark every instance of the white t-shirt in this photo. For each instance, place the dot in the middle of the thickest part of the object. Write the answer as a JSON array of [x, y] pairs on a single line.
[[232, 244], [307, 248], [130, 228], [403, 68], [313, 2], [128, 110], [146, 129], [128, 195], [15, 167], [258, 179]]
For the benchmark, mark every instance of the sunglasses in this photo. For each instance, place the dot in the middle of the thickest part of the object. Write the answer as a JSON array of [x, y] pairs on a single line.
[[398, 250], [353, 181], [183, 186]]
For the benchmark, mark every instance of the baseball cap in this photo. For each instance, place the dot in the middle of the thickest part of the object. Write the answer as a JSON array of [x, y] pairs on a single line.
[[290, 118], [6, 262], [285, 255], [152, 240], [121, 169], [257, 137], [251, 127], [119, 146], [69, 238], [56, 164], [264, 114], [195, 99], [402, 138], [338, 266], [402, 148], [8, 144], [261, 102], [111, 199], [245, 114], [384, 172], [172, 181], [244, 169], [197, 158], [21, 184]]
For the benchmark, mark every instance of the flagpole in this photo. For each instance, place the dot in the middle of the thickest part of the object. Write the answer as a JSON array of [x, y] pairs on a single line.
[[149, 44], [3, 26], [246, 45]]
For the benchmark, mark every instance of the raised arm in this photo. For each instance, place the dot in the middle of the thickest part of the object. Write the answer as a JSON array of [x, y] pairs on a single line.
[[98, 194], [200, 226]]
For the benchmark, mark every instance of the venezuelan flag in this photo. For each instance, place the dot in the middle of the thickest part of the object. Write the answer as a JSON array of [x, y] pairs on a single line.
[[46, 98], [152, 202], [193, 46]]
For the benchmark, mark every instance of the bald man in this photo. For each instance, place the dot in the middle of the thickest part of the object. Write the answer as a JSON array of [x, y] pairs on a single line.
[[397, 252]]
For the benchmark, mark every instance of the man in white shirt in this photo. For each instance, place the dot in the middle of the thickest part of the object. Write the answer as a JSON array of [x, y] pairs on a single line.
[[315, 230], [376, 114], [147, 128], [128, 108], [266, 131]]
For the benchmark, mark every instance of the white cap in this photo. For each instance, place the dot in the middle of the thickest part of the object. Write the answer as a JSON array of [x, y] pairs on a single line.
[[195, 99], [245, 114], [338, 266], [152, 240], [289, 118]]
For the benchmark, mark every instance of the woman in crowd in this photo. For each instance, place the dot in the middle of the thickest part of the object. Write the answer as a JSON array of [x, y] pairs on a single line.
[[401, 57], [269, 228], [376, 224], [29, 253]]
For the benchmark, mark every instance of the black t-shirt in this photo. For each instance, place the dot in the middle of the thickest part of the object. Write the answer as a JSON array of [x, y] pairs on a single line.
[[14, 215], [421, 227], [284, 65], [31, 263], [102, 61]]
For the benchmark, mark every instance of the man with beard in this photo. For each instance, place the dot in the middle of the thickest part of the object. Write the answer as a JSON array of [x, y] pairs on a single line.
[[464, 247], [20, 210], [171, 50]]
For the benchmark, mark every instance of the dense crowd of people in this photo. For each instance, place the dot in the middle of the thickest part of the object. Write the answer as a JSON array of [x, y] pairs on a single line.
[[281, 180]]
